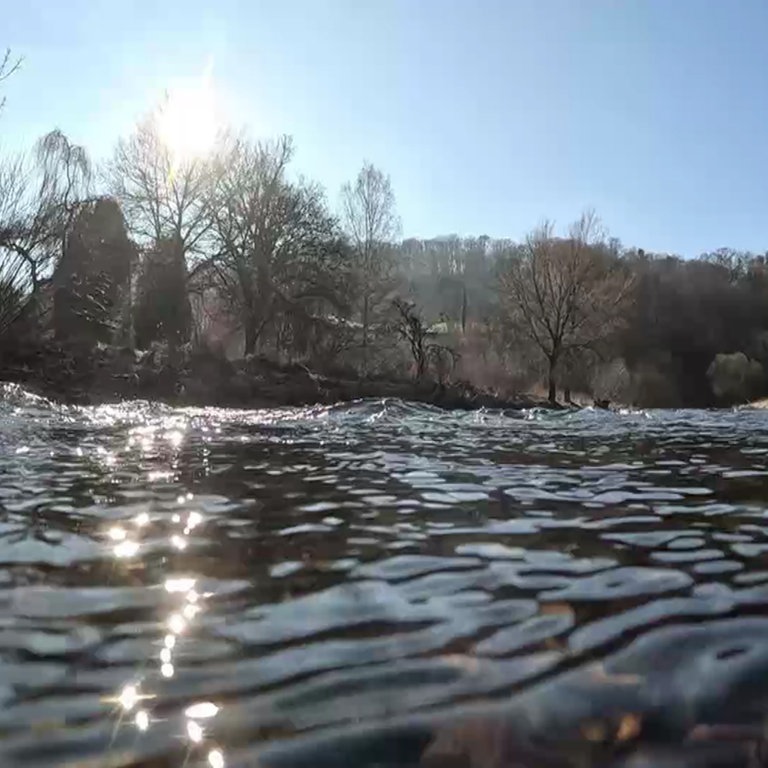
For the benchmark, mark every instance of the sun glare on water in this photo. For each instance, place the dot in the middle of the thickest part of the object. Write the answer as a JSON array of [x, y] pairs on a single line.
[[188, 121]]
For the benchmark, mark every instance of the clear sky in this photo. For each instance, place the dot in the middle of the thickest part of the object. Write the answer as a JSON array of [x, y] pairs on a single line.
[[489, 115]]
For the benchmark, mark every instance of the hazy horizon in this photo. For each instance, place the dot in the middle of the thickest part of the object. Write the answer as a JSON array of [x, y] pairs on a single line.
[[489, 117]]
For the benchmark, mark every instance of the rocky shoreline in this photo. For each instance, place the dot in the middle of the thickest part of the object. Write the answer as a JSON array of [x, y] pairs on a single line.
[[87, 376]]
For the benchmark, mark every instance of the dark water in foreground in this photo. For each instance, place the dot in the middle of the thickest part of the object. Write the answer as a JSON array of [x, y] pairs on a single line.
[[339, 586]]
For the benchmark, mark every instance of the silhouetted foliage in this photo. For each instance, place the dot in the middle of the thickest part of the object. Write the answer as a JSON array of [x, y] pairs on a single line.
[[39, 197], [11, 303], [162, 309], [277, 255], [93, 274], [684, 314]]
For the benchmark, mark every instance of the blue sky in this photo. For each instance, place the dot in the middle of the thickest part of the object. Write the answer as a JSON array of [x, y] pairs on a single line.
[[489, 115]]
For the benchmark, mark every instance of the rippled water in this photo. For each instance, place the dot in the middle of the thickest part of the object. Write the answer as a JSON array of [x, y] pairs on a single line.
[[361, 585]]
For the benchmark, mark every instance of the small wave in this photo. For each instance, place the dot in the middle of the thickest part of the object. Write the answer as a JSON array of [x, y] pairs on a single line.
[[15, 396], [128, 412], [361, 411]]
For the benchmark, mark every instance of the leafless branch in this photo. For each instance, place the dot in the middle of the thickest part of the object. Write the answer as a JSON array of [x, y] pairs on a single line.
[[8, 65], [565, 294]]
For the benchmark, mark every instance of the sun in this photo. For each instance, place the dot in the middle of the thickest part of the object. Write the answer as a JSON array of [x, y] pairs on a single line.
[[188, 120]]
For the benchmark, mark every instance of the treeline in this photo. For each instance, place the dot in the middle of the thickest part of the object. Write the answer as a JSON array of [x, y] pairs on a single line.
[[233, 252], [608, 321]]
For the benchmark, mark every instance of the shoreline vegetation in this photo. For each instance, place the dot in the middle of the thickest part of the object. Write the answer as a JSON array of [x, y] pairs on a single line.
[[77, 375]]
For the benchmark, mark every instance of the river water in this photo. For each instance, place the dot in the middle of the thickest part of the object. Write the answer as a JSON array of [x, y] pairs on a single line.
[[379, 584]]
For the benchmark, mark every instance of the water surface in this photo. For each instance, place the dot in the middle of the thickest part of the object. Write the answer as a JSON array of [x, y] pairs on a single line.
[[342, 585]]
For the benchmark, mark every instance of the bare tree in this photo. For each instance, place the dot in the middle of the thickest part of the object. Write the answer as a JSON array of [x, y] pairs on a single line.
[[565, 294], [411, 327], [164, 199], [371, 222], [39, 197], [276, 248], [66, 175]]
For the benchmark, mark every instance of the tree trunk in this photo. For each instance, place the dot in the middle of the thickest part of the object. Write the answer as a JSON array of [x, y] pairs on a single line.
[[251, 335], [365, 334], [251, 328], [552, 379], [421, 363], [130, 302], [256, 309], [463, 309]]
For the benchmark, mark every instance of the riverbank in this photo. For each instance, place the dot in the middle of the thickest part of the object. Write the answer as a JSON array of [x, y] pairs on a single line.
[[84, 376]]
